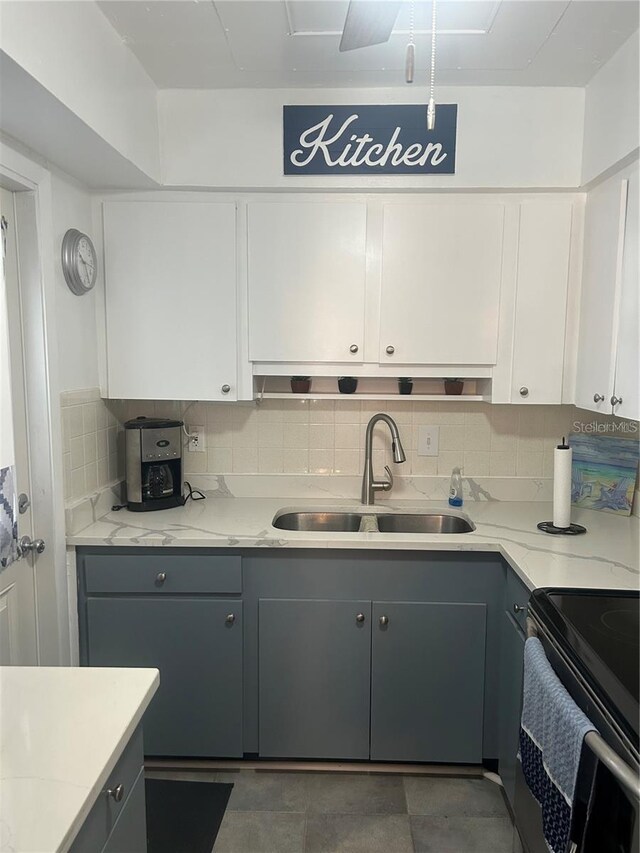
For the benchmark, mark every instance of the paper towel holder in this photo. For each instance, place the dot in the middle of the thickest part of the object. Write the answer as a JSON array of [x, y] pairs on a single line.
[[571, 530]]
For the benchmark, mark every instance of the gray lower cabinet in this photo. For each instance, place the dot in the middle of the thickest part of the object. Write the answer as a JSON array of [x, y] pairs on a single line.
[[427, 681], [314, 665], [130, 832], [197, 647], [511, 671]]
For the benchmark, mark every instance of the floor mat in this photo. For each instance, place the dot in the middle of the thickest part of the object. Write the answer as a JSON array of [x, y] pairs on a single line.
[[184, 817]]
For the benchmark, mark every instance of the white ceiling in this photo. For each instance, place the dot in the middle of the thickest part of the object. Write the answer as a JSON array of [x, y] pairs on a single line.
[[201, 44]]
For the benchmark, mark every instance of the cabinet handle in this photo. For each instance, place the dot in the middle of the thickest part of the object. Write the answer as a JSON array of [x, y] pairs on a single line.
[[524, 391], [161, 578], [519, 608], [360, 617], [225, 389], [598, 398], [390, 350], [116, 793], [353, 348], [615, 400], [384, 620], [230, 618]]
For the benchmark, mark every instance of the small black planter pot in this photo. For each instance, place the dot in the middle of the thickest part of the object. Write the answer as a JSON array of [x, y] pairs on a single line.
[[347, 384], [405, 385], [300, 384], [453, 386]]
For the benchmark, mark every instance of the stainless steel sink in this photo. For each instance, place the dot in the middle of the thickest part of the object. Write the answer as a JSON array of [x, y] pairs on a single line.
[[432, 522], [331, 522], [336, 521]]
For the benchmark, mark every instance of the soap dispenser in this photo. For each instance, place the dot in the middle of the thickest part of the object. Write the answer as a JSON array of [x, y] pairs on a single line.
[[455, 488]]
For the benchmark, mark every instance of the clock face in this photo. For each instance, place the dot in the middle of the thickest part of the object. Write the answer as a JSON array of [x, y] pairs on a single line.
[[79, 263]]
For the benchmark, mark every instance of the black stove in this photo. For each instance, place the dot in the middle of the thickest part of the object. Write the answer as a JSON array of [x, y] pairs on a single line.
[[599, 631]]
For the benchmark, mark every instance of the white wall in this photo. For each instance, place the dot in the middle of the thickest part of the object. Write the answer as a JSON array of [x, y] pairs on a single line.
[[611, 112], [75, 315], [507, 137], [73, 51]]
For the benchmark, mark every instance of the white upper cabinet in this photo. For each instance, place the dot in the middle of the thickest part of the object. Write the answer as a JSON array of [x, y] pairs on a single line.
[[306, 277], [441, 277], [170, 285], [626, 386], [607, 365], [544, 246]]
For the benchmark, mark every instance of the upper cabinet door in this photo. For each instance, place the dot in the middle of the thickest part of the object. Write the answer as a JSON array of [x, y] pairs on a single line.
[[541, 301], [170, 280], [603, 242], [306, 281], [441, 273], [627, 380]]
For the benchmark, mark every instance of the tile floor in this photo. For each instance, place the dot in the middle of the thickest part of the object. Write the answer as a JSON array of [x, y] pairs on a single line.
[[304, 812]]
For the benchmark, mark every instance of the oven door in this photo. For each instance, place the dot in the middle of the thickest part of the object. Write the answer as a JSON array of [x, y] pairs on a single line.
[[610, 747]]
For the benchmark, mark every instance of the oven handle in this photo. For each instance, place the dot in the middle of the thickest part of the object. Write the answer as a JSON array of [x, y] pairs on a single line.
[[603, 752]]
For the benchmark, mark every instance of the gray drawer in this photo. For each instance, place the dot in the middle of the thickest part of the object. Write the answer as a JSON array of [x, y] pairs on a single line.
[[102, 818], [162, 574], [517, 597]]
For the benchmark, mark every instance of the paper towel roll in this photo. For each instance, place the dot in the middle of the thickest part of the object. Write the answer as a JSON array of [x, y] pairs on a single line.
[[562, 457]]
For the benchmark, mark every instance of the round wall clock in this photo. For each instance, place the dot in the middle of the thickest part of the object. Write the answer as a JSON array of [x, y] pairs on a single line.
[[79, 262]]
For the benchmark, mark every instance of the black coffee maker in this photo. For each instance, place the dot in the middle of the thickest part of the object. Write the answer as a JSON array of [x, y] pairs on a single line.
[[153, 462]]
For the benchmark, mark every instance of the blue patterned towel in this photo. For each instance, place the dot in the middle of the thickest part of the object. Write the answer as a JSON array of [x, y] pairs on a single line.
[[552, 732]]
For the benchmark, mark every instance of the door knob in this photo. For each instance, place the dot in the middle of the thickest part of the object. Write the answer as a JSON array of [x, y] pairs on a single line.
[[353, 348], [230, 618], [615, 400], [225, 389], [390, 350], [524, 391], [360, 617], [161, 578], [384, 620], [116, 793], [27, 545], [598, 398]]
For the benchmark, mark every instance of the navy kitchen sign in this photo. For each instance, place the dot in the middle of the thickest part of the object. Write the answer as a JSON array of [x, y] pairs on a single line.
[[369, 140]]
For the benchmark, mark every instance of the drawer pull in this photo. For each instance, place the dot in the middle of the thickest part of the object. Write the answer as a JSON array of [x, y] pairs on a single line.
[[230, 619], [161, 578], [384, 621], [519, 608], [116, 793]]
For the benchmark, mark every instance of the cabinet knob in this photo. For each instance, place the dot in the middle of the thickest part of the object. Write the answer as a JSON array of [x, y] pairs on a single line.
[[230, 618], [615, 400], [116, 793], [353, 348], [519, 608], [598, 398], [384, 620], [225, 389], [524, 391], [390, 350], [360, 617], [161, 578]]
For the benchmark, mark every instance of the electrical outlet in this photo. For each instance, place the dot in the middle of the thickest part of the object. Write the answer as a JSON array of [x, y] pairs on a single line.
[[428, 440], [197, 443]]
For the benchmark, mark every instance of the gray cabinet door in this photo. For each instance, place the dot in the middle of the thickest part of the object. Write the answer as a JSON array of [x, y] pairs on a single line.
[[314, 667], [197, 710], [130, 832], [427, 685], [511, 669]]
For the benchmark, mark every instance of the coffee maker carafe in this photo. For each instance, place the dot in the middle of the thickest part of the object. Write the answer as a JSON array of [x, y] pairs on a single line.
[[153, 460]]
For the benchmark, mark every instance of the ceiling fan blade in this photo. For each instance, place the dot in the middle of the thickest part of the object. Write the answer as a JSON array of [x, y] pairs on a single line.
[[368, 22]]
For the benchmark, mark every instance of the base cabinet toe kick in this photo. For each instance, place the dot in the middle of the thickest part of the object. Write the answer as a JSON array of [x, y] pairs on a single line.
[[382, 656]]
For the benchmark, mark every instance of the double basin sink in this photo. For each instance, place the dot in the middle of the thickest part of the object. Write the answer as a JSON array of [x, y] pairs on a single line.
[[336, 521]]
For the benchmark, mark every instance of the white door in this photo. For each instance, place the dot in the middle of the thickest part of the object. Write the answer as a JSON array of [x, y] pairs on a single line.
[[307, 264], [18, 639], [603, 242], [627, 378], [170, 296], [441, 276]]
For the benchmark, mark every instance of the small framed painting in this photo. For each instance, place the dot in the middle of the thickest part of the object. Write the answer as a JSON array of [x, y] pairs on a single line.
[[604, 472]]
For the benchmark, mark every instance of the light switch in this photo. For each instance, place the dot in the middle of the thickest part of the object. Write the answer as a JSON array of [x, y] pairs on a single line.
[[428, 439]]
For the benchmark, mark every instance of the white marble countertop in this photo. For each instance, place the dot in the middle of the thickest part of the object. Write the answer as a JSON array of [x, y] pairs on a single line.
[[62, 730], [607, 556]]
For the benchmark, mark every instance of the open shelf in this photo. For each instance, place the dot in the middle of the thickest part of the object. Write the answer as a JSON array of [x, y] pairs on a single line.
[[372, 388], [450, 398]]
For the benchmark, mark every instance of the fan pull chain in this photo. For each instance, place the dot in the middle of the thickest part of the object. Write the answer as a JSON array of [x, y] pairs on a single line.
[[431, 109], [410, 62]]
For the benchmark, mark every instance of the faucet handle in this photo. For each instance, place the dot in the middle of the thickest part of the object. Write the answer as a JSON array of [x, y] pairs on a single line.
[[388, 485]]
